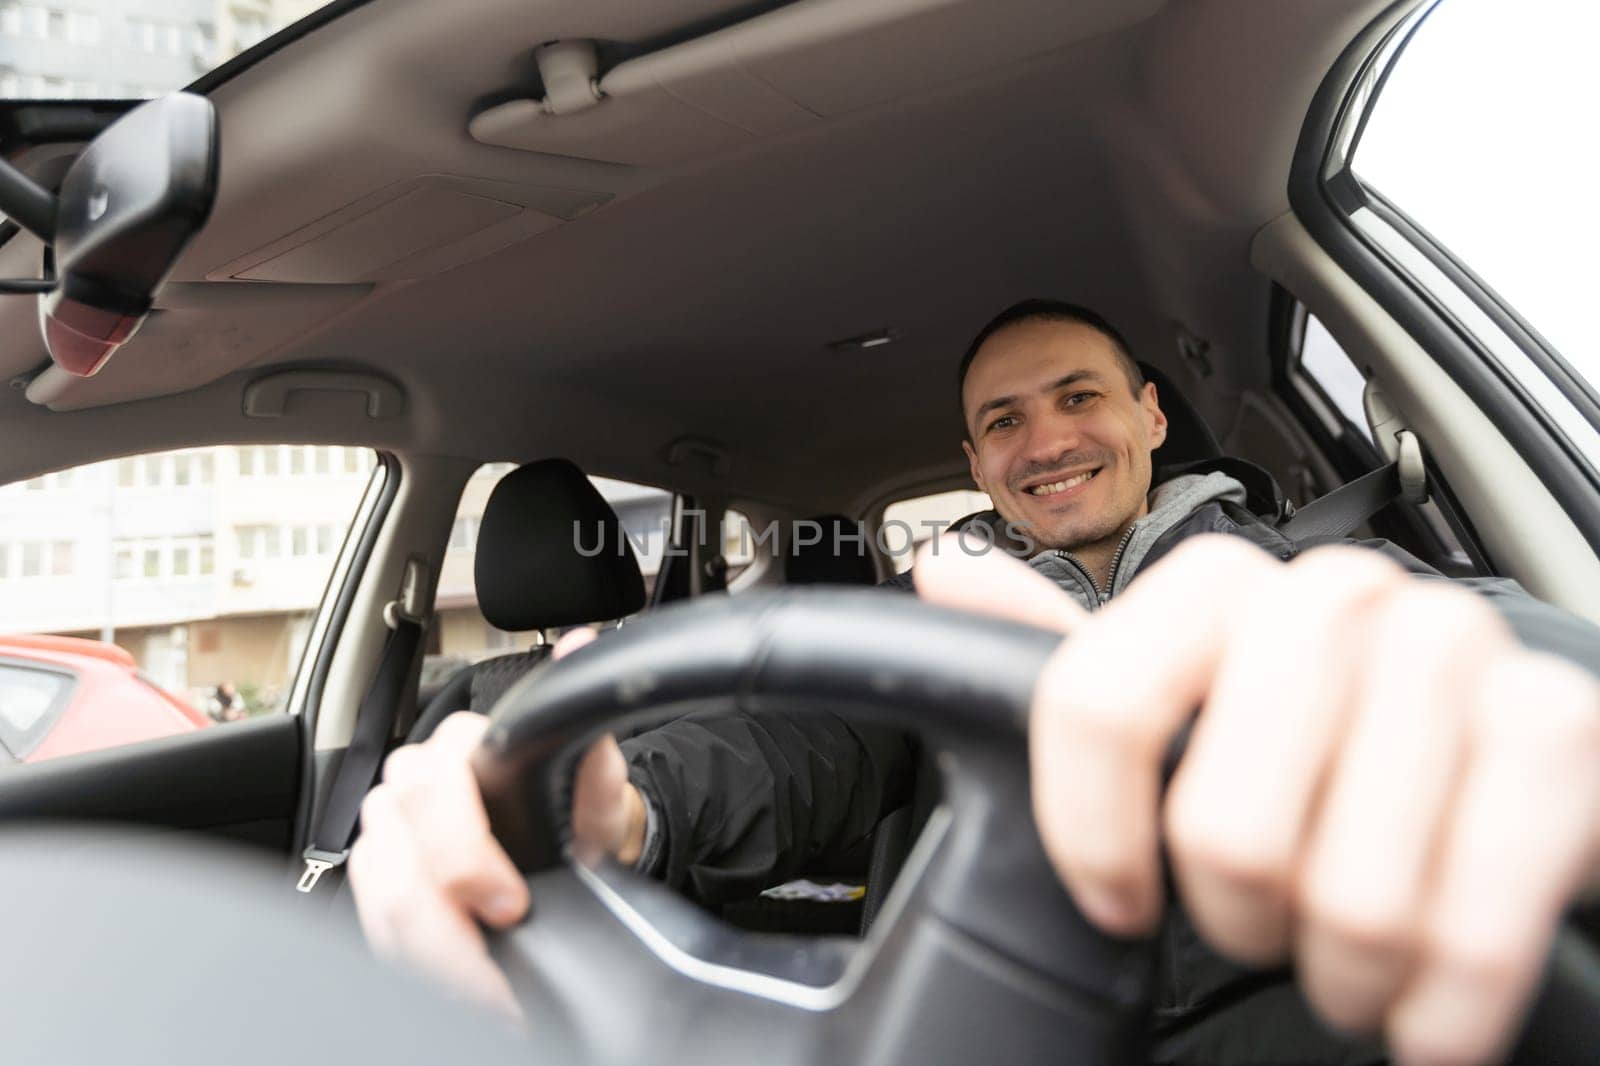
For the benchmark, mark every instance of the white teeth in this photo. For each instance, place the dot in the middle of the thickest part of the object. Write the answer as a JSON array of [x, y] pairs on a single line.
[[1061, 486]]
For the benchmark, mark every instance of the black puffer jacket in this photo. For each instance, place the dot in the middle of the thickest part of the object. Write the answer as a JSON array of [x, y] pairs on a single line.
[[743, 801]]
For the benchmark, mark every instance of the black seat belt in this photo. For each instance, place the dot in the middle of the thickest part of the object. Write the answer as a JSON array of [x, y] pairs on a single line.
[[330, 842], [1346, 507]]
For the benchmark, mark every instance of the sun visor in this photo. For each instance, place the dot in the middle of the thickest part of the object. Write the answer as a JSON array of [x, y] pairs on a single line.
[[793, 67], [411, 229]]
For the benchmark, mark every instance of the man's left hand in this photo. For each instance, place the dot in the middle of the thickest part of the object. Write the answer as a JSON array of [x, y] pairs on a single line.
[[1382, 783]]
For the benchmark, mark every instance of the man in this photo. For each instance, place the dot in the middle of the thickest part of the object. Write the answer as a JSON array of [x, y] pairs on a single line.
[[1386, 784]]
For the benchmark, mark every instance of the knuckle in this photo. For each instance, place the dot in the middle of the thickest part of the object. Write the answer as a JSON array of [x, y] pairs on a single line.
[[1414, 1042], [1371, 929], [1479, 962], [462, 726], [1342, 576], [1219, 561], [1231, 856]]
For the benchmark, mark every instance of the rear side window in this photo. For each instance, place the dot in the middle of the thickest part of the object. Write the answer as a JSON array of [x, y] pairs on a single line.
[[908, 524], [30, 701]]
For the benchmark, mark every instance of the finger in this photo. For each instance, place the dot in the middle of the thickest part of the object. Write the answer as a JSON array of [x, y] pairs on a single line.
[[445, 814], [969, 576], [382, 867], [571, 641], [1239, 808], [1520, 840], [599, 802], [438, 940], [1104, 713], [1364, 878], [406, 917], [458, 734], [405, 764]]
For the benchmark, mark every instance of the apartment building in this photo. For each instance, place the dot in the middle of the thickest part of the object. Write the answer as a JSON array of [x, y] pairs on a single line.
[[126, 49], [208, 564]]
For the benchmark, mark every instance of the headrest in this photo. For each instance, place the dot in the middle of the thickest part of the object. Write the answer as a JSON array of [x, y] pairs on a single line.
[[552, 552], [838, 558], [1189, 439]]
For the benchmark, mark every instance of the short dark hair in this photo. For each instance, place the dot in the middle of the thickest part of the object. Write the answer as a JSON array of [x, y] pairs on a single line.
[[1041, 310]]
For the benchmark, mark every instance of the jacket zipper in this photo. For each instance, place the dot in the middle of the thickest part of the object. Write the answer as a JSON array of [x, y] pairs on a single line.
[[1100, 597]]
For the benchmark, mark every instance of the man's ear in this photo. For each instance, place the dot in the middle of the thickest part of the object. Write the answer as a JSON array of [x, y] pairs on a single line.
[[972, 465], [1155, 418]]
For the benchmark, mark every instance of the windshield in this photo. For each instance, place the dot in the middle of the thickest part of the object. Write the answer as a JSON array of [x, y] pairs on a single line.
[[127, 49]]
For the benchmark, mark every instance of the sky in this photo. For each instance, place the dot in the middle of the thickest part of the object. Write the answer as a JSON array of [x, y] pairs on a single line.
[[1486, 135]]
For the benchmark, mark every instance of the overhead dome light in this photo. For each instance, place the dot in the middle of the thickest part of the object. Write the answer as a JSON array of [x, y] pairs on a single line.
[[875, 339]]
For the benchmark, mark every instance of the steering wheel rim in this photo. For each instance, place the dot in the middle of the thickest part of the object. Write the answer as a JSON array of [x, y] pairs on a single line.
[[972, 928], [979, 952]]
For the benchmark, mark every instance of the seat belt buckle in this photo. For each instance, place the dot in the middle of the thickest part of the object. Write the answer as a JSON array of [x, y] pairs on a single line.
[[319, 862]]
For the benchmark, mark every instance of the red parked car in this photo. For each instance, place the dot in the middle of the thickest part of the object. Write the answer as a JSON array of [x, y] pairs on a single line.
[[64, 695]]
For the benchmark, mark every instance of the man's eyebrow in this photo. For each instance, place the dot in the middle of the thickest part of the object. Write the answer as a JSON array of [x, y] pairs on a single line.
[[1060, 383]]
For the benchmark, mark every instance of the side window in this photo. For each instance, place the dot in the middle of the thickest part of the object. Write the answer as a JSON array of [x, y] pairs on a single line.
[[159, 594], [461, 634], [1330, 380], [1467, 174], [908, 524]]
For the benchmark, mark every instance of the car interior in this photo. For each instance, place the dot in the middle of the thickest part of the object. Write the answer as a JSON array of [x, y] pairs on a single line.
[[734, 249]]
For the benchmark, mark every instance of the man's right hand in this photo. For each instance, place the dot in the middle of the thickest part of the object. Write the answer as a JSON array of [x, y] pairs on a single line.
[[426, 871]]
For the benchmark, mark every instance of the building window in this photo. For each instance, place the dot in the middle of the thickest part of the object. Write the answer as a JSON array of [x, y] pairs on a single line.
[[123, 564], [247, 462], [182, 560], [151, 564], [5, 561], [32, 559], [325, 536], [208, 558], [269, 462], [182, 469], [300, 541], [297, 461], [61, 558]]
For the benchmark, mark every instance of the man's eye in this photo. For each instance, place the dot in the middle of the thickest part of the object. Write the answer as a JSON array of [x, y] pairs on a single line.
[[1078, 399], [1003, 422]]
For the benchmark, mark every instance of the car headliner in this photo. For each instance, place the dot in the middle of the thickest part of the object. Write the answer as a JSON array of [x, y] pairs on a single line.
[[1118, 154]]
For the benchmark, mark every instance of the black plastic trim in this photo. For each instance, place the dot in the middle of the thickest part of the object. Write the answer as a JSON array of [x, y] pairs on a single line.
[[1313, 202], [345, 599]]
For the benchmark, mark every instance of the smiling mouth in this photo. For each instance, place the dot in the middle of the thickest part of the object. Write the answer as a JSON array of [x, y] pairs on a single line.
[[1056, 488]]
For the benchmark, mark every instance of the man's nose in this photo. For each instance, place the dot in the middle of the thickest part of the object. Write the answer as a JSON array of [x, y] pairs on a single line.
[[1051, 437]]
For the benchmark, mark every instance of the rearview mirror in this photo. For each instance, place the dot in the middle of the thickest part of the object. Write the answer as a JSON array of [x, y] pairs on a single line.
[[128, 206]]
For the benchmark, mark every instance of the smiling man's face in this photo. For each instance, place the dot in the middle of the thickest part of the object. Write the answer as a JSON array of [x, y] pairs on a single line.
[[1058, 437]]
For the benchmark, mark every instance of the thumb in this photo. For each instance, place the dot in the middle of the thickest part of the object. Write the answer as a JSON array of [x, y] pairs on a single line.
[[571, 641], [970, 575], [607, 812]]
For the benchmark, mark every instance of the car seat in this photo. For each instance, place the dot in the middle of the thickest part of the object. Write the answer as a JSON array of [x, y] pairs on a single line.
[[839, 558], [551, 553]]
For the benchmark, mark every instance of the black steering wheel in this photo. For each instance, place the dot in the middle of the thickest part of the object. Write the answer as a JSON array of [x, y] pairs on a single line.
[[979, 955]]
